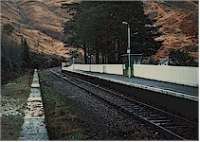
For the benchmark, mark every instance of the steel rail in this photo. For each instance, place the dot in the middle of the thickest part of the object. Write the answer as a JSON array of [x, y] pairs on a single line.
[[144, 119], [133, 100]]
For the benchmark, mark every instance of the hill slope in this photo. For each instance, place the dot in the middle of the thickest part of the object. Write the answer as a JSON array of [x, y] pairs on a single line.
[[40, 22], [178, 21]]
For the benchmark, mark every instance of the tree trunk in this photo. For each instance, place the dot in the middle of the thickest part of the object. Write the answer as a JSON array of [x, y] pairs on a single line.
[[85, 53], [116, 52], [97, 57]]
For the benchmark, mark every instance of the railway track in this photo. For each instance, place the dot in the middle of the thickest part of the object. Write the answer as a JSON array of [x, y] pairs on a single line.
[[175, 127]]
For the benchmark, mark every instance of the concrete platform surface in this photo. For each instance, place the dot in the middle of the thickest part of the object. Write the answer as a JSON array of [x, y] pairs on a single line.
[[34, 127], [183, 91]]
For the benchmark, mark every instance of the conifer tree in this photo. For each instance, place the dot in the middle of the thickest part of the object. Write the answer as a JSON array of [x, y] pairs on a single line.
[[98, 28], [25, 54]]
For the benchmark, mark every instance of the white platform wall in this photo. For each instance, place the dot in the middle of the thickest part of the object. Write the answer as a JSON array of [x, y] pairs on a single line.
[[174, 74]]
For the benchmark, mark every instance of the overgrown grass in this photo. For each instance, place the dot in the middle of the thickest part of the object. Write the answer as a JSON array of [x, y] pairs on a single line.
[[60, 113], [11, 126], [13, 102]]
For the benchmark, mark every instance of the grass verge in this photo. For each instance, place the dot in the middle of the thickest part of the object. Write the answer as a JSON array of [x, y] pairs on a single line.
[[13, 101], [61, 114]]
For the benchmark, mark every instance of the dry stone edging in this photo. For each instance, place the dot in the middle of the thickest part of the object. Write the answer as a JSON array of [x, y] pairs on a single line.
[[34, 127]]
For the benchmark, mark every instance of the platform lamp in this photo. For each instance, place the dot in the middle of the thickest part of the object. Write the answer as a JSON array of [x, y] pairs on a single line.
[[90, 59]]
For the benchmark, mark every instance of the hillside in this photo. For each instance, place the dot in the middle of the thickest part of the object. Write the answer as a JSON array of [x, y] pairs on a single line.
[[39, 22], [178, 23]]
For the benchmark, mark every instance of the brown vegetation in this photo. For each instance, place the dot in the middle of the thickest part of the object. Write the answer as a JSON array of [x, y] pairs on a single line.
[[178, 22]]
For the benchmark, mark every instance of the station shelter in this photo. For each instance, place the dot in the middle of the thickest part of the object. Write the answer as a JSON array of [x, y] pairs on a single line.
[[135, 59]]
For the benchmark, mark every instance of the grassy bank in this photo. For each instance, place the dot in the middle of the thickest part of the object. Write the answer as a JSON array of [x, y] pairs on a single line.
[[13, 102], [60, 112]]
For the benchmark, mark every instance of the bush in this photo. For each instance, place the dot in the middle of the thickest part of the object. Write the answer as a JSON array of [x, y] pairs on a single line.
[[181, 58], [8, 29]]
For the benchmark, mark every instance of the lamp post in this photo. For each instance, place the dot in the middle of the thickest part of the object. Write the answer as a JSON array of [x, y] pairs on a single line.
[[128, 49], [90, 61]]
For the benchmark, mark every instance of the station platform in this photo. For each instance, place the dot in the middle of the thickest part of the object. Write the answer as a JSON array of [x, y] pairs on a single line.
[[181, 91]]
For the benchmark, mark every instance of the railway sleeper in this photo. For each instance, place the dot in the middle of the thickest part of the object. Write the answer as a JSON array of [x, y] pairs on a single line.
[[143, 119], [172, 125], [160, 120], [157, 117]]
